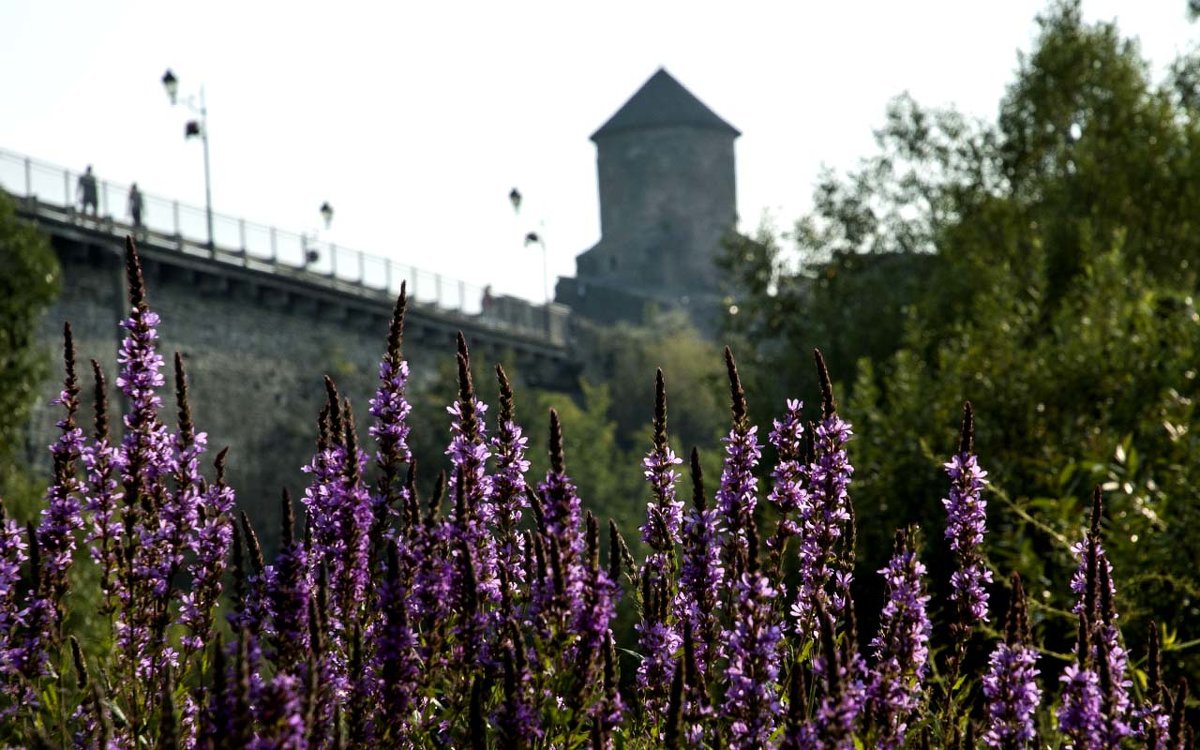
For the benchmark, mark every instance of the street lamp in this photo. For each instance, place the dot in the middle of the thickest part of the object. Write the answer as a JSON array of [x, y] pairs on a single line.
[[533, 238], [195, 128], [311, 255]]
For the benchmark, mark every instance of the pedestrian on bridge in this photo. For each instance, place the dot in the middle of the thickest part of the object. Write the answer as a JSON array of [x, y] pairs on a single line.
[[135, 205], [86, 192]]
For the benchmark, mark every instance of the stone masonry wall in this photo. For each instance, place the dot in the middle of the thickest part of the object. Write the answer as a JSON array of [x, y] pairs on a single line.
[[254, 353]]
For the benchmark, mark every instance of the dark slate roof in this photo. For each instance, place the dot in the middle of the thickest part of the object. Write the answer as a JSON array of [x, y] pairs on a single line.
[[663, 102]]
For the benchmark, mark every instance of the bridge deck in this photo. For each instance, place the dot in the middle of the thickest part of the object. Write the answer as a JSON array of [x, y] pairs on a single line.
[[46, 194]]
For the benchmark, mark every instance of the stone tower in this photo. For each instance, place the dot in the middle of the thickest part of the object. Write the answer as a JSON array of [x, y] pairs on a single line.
[[667, 197]]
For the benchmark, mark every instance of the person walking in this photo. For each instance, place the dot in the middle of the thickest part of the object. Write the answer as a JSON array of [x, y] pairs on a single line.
[[86, 192], [135, 205]]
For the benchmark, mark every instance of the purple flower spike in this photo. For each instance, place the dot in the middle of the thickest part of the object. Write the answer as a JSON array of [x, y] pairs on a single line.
[[517, 719], [966, 524], [1080, 717], [1010, 685], [207, 570], [509, 487], [789, 494], [561, 504], [664, 513], [289, 591], [1100, 644], [825, 520], [737, 495], [470, 484], [701, 574], [13, 554], [752, 700], [281, 716], [60, 519], [101, 461], [397, 660], [390, 408], [901, 648]]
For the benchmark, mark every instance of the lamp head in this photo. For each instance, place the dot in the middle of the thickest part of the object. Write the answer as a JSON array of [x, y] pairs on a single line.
[[171, 84], [327, 213], [514, 197]]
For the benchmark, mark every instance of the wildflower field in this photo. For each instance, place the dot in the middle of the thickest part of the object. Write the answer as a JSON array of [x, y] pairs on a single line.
[[483, 615]]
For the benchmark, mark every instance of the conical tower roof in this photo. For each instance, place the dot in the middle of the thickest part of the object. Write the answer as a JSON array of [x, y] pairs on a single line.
[[663, 102]]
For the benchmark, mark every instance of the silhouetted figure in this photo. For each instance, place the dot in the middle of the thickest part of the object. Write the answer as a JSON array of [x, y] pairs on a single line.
[[488, 302], [135, 205], [86, 192]]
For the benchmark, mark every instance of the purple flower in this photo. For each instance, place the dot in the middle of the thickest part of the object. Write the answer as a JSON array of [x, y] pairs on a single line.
[[966, 524], [1154, 720], [509, 488], [594, 607], [517, 718], [1013, 695], [789, 494], [1100, 644], [824, 522], [840, 690], [341, 513], [146, 447], [211, 548], [61, 518], [658, 643], [397, 656], [664, 513], [390, 408], [737, 495], [700, 578], [901, 648], [471, 487], [13, 554], [280, 716], [1080, 717], [101, 463], [753, 647], [289, 592], [1010, 685]]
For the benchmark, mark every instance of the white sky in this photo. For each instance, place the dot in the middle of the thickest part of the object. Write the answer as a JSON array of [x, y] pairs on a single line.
[[414, 120]]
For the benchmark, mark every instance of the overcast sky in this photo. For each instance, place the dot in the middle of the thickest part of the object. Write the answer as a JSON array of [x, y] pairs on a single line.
[[414, 120]]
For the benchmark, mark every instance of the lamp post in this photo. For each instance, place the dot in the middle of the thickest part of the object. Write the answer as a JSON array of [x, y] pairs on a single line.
[[191, 129], [533, 238], [311, 255]]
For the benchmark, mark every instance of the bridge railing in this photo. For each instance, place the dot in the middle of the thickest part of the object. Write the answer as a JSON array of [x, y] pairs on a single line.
[[173, 224]]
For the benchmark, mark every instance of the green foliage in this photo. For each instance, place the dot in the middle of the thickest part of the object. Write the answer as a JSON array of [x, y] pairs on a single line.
[[1042, 266], [29, 282], [625, 357]]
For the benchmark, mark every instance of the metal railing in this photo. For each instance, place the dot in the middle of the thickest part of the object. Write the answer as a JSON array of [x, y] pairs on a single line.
[[171, 223]]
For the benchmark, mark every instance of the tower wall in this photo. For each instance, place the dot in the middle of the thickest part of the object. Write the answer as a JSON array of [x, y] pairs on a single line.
[[667, 196]]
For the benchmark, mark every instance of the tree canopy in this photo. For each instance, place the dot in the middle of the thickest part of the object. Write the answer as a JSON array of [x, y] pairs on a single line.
[[29, 282], [1043, 266]]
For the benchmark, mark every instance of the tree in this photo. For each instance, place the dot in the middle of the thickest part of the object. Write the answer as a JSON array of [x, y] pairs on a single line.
[[1042, 266], [29, 282]]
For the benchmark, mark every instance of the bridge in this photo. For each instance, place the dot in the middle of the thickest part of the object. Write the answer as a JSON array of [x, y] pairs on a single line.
[[260, 317], [176, 232]]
